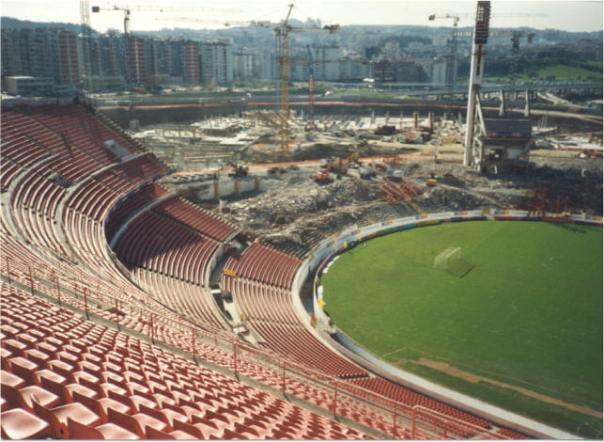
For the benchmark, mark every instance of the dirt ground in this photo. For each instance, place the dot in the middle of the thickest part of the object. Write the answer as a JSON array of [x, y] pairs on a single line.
[[473, 378]]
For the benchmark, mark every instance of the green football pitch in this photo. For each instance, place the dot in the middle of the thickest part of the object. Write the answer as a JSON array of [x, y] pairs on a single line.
[[520, 327]]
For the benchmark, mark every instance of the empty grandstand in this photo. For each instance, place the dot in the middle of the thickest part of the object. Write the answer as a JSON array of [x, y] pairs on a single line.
[[110, 328]]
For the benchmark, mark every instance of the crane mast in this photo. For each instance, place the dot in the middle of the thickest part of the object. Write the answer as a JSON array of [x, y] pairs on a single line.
[[515, 39], [311, 87], [86, 43], [451, 70], [282, 33], [126, 11]]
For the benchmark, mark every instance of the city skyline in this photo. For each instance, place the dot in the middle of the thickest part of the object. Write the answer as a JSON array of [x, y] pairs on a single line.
[[574, 16]]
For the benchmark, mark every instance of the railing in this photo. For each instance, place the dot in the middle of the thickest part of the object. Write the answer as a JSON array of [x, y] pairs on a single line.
[[219, 347], [339, 398]]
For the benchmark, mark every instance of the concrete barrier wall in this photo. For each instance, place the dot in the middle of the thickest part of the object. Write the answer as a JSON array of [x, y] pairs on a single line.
[[226, 187]]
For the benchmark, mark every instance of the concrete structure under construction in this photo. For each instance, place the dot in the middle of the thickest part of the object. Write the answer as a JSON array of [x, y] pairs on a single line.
[[503, 141]]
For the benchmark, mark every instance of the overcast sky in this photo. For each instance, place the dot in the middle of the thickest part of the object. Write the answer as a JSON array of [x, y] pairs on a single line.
[[541, 14]]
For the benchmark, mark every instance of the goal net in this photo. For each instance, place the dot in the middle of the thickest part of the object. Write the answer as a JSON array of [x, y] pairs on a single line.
[[453, 261]]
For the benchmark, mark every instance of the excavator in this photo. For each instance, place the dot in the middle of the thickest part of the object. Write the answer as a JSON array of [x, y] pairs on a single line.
[[234, 170], [322, 177], [338, 166], [341, 165]]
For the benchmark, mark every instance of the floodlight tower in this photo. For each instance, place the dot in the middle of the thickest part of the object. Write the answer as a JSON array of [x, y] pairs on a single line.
[[480, 38]]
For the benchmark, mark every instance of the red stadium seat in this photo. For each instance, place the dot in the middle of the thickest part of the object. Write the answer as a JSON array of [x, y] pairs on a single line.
[[57, 417], [63, 375], [20, 424], [107, 431]]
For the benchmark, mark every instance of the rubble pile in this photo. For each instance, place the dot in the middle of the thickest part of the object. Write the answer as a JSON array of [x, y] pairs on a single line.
[[444, 199], [295, 213], [298, 196]]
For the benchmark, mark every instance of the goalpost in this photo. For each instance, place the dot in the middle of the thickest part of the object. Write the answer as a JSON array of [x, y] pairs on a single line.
[[453, 261]]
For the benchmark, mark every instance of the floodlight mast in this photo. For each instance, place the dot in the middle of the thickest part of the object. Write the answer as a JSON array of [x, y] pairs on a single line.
[[479, 42]]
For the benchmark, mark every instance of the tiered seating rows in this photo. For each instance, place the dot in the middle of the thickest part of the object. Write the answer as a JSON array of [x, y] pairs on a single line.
[[61, 136], [411, 398], [34, 203], [157, 243], [64, 135], [73, 139], [270, 312], [97, 195], [65, 377], [17, 153], [265, 264], [272, 315], [184, 297], [168, 328], [87, 207], [63, 132], [262, 301], [130, 205], [199, 219], [108, 281]]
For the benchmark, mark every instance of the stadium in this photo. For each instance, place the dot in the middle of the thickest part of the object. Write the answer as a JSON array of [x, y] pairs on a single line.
[[127, 339], [319, 294]]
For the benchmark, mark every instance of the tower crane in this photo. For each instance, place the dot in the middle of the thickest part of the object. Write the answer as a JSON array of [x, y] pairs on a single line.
[[251, 23], [311, 86], [126, 12], [124, 9], [282, 32], [86, 29], [515, 38], [310, 63], [451, 72]]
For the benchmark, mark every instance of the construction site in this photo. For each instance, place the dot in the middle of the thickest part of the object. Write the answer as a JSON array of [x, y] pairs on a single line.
[[253, 137], [303, 171], [361, 170]]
